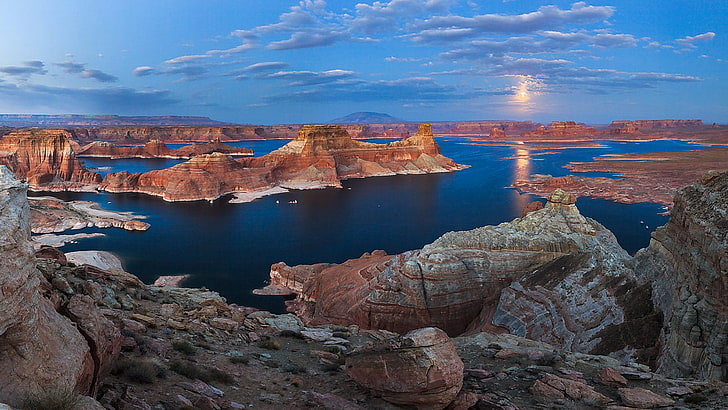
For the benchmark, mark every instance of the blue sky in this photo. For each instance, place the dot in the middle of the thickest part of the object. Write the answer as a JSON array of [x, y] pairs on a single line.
[[268, 62]]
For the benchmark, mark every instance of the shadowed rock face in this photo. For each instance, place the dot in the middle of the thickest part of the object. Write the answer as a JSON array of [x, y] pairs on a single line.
[[321, 156], [687, 265], [45, 160], [39, 348]]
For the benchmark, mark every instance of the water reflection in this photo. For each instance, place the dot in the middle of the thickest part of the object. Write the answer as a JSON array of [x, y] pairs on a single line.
[[522, 168]]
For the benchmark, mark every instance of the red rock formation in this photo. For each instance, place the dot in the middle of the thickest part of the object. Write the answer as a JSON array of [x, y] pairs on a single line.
[[141, 135], [45, 160], [420, 368], [39, 348], [531, 207], [157, 149], [485, 127], [497, 133], [203, 177], [686, 263], [656, 124], [321, 156], [561, 129], [450, 283], [644, 177]]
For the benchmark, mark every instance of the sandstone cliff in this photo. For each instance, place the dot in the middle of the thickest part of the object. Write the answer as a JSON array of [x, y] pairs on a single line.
[[45, 159], [158, 149], [321, 156], [552, 276], [687, 265], [141, 135], [561, 129], [40, 348], [457, 283]]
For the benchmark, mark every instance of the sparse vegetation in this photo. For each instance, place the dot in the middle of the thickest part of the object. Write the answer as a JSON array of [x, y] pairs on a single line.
[[203, 345], [269, 344], [139, 370], [291, 334], [51, 399], [184, 347], [239, 360], [695, 398], [204, 373]]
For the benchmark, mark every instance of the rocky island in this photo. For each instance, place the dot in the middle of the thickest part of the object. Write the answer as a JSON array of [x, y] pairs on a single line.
[[321, 156]]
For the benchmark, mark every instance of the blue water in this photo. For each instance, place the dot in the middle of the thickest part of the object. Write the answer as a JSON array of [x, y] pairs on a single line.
[[230, 247]]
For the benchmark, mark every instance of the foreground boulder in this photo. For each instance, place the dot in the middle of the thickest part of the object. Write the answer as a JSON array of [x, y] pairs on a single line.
[[39, 348], [420, 368]]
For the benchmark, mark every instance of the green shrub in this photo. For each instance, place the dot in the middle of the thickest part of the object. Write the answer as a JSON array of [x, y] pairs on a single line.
[[184, 347], [51, 399]]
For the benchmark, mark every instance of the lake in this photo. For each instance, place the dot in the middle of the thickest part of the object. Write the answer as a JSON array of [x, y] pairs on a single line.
[[230, 247]]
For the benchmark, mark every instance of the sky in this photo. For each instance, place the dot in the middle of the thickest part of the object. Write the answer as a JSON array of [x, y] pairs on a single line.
[[275, 62]]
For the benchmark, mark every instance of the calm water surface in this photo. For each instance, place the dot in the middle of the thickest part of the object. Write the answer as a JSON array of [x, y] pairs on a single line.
[[230, 247]]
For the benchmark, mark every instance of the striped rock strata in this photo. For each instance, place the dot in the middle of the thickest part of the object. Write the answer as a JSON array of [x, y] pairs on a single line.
[[687, 265], [45, 160], [456, 282]]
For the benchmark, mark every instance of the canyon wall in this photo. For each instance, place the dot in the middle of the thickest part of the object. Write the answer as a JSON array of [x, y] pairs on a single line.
[[46, 160], [158, 149], [687, 265], [141, 135], [561, 129], [39, 348]]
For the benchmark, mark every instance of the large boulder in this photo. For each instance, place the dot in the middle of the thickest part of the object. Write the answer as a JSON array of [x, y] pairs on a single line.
[[420, 368]]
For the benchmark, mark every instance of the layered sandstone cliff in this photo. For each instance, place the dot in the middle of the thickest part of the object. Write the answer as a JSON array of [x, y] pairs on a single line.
[[321, 156], [45, 159], [39, 348], [553, 276], [561, 129], [687, 265], [456, 282], [654, 124], [141, 135], [158, 149]]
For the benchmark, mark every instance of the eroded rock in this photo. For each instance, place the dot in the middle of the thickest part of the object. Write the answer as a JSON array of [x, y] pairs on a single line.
[[420, 368]]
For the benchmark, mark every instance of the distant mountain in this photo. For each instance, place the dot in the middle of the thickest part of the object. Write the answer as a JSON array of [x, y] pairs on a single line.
[[366, 118], [80, 120]]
